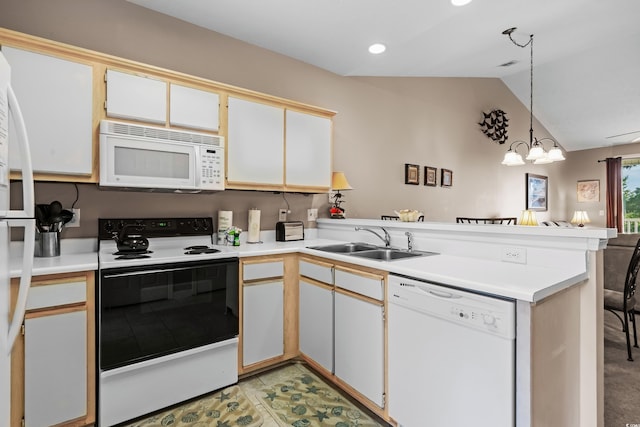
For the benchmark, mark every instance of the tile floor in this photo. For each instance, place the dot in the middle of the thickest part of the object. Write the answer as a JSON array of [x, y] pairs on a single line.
[[255, 384]]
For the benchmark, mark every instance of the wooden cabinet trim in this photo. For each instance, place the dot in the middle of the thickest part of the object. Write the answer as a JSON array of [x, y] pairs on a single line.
[[41, 45], [361, 271], [359, 296], [315, 282]]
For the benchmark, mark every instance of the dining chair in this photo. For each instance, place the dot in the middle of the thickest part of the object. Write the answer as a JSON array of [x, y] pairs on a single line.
[[503, 220], [624, 301]]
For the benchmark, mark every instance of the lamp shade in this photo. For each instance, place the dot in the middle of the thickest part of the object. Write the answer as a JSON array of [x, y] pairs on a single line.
[[581, 218], [511, 158], [339, 182], [528, 218]]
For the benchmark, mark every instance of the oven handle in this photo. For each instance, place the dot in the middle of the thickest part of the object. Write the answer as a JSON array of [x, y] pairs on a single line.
[[138, 273]]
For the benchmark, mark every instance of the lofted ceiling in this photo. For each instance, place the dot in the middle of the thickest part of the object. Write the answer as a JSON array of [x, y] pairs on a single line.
[[586, 52]]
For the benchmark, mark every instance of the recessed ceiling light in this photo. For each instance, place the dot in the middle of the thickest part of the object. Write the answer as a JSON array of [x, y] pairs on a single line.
[[460, 2], [377, 48]]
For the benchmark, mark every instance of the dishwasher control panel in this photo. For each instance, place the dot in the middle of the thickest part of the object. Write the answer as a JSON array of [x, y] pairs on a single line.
[[492, 315]]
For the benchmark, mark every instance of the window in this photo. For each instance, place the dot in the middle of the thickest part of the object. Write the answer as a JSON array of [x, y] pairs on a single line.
[[631, 195]]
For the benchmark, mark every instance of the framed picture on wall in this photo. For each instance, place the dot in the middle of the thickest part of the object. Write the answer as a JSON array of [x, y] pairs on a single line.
[[430, 176], [588, 190], [411, 174], [446, 177], [536, 192]]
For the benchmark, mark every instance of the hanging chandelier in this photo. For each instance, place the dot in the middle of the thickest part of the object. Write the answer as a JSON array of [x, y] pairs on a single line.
[[535, 148]]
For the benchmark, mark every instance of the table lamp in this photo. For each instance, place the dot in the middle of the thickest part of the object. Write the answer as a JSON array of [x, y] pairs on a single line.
[[338, 182], [528, 218], [581, 218]]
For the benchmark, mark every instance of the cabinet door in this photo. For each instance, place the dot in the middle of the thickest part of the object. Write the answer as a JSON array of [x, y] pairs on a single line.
[[55, 368], [359, 345], [56, 99], [316, 323], [308, 150], [255, 143], [262, 322], [193, 108], [136, 97]]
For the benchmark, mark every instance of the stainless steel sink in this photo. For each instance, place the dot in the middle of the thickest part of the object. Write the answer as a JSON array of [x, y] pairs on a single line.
[[345, 248], [389, 254], [366, 250]]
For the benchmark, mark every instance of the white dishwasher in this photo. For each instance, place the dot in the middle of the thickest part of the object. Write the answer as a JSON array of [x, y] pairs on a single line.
[[451, 356]]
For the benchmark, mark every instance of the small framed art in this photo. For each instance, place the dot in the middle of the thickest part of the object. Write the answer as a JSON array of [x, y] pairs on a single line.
[[446, 177], [537, 192], [430, 176], [411, 174], [589, 190]]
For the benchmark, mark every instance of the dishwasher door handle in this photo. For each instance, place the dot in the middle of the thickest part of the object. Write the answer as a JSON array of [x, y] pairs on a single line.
[[439, 294]]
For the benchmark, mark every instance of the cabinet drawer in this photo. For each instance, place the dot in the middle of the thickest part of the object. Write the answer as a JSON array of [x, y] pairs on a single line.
[[55, 295], [262, 270], [319, 272], [370, 285]]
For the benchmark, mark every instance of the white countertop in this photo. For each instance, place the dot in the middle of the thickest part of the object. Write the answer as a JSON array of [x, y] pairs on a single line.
[[517, 281], [75, 255]]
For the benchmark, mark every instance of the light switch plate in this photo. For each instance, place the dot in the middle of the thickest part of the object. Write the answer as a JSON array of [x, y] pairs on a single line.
[[312, 214], [282, 215]]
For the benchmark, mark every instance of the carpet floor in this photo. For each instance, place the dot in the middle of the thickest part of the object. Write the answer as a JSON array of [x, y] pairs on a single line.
[[621, 377]]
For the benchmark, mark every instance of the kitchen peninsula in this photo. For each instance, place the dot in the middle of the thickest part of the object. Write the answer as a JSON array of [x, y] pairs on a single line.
[[555, 282]]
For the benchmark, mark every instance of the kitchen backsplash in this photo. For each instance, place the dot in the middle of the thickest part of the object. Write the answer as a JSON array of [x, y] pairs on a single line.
[[95, 203]]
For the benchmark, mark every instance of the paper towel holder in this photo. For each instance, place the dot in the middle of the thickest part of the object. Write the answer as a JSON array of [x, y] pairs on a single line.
[[253, 228]]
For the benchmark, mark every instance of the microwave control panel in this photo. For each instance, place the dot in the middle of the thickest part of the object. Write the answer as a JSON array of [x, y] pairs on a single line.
[[212, 172]]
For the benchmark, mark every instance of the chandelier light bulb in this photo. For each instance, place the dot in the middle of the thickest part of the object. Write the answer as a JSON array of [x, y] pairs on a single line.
[[536, 152], [555, 154], [511, 158]]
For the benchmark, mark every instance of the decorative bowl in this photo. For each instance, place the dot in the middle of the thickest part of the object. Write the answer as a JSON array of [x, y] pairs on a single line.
[[408, 215]]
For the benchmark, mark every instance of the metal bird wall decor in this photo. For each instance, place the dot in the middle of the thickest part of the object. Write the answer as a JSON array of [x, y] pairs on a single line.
[[494, 125]]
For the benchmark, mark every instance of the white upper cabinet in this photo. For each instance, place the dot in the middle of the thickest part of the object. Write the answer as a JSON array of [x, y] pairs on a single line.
[[56, 99], [193, 108], [308, 150], [136, 97], [255, 148], [265, 148]]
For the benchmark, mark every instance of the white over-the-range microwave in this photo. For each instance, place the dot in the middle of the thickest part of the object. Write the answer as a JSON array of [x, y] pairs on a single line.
[[154, 158]]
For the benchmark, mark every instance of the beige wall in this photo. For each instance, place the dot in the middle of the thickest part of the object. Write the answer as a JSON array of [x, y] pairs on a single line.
[[381, 123]]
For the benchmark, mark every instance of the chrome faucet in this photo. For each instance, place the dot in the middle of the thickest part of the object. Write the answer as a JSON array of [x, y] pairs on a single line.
[[386, 239], [409, 241]]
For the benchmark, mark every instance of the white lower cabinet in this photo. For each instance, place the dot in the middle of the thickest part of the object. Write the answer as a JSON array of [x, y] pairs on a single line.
[[359, 345], [316, 323], [263, 322], [342, 325], [54, 359], [55, 368]]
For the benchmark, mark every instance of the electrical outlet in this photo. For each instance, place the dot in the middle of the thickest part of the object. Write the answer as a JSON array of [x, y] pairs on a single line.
[[282, 215], [75, 221], [517, 255], [312, 214]]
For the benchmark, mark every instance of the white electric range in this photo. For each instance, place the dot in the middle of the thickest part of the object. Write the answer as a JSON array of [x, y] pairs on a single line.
[[167, 315]]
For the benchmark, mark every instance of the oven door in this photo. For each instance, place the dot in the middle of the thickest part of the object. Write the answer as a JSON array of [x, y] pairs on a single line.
[[150, 311]]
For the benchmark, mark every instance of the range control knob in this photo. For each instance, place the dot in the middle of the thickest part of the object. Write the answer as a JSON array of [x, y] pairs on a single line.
[[108, 227]]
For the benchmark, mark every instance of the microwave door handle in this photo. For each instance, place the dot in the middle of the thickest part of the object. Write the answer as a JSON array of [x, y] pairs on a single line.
[[198, 168]]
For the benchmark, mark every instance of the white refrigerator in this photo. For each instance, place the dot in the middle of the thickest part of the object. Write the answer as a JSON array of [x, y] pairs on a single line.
[[10, 115]]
